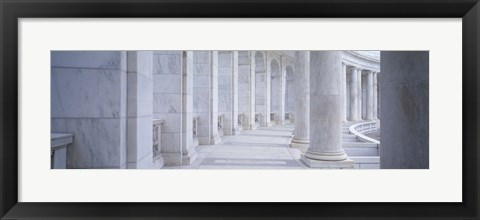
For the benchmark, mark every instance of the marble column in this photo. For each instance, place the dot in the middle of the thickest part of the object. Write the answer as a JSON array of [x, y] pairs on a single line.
[[344, 92], [405, 110], [375, 96], [354, 95], [359, 94], [283, 89], [214, 135], [325, 150], [302, 100], [268, 84], [139, 112], [189, 154], [369, 95], [235, 127]]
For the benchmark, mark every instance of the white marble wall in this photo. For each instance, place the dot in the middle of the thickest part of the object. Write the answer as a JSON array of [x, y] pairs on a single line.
[[246, 88], [167, 102], [205, 95], [140, 111], [89, 100]]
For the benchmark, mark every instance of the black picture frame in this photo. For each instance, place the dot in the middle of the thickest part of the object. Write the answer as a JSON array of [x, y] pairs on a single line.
[[12, 10]]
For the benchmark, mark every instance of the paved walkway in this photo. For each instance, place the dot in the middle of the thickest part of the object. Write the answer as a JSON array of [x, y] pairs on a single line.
[[263, 148]]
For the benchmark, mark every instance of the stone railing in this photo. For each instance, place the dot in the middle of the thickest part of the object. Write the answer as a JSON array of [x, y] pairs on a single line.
[[272, 116], [194, 126], [58, 149], [157, 137], [240, 119], [363, 128], [290, 117], [258, 117], [221, 118], [195, 130]]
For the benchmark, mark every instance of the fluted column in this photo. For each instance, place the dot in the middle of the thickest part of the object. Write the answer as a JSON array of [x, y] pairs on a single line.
[[375, 96], [325, 150], [354, 95], [370, 95], [344, 92], [302, 100]]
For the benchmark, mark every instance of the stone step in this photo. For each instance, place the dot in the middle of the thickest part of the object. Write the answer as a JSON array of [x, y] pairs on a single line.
[[349, 138], [360, 144], [372, 162], [360, 149]]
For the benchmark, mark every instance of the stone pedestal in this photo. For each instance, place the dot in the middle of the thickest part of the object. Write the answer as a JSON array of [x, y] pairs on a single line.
[[325, 150], [301, 139], [58, 144]]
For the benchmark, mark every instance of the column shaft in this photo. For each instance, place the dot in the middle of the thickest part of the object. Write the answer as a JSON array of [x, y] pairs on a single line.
[[375, 96], [354, 95], [344, 92], [302, 100], [370, 95], [325, 150], [359, 94]]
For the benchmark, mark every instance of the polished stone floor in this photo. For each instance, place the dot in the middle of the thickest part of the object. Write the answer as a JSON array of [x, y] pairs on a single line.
[[263, 148], [269, 148]]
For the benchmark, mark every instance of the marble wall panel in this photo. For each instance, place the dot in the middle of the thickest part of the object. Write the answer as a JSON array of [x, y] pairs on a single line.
[[167, 64], [88, 99], [96, 142], [167, 103], [87, 59], [167, 83], [78, 93]]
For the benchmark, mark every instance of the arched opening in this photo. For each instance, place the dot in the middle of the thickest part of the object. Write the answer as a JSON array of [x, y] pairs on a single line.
[[260, 89], [290, 95], [275, 92]]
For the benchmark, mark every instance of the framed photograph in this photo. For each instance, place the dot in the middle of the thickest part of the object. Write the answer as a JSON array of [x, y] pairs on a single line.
[[248, 110]]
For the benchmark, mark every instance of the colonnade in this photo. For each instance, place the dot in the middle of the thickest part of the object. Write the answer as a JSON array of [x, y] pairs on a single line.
[[359, 94], [200, 96]]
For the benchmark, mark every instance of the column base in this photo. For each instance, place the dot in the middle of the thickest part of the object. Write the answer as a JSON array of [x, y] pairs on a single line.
[[195, 142], [326, 164], [250, 127], [158, 162], [237, 130], [300, 144], [172, 159], [189, 157], [215, 140]]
